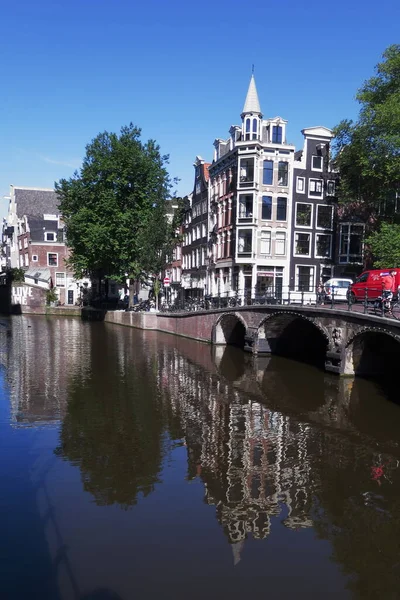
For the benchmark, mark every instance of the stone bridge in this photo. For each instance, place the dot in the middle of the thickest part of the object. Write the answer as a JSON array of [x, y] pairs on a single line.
[[343, 342]]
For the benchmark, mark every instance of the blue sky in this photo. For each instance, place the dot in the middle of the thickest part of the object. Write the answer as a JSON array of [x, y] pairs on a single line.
[[179, 70]]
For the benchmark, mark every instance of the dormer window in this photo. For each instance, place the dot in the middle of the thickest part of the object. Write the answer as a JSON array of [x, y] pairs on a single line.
[[277, 134], [50, 236], [316, 163]]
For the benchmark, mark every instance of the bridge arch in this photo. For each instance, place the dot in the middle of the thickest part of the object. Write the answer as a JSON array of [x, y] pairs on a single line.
[[229, 328], [373, 352], [293, 335]]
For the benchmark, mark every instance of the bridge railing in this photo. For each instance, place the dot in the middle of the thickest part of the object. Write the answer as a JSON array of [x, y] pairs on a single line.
[[275, 295], [368, 302]]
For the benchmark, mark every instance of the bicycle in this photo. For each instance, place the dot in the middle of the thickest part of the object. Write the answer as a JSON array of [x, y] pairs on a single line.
[[388, 307]]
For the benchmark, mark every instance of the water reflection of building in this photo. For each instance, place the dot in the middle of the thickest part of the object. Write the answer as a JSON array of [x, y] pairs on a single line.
[[254, 461], [41, 356]]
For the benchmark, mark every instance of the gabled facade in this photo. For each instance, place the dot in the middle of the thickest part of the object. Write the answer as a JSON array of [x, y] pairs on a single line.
[[33, 239], [250, 191], [195, 234], [313, 213]]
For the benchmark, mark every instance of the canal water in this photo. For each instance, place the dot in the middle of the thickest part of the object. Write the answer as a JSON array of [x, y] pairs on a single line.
[[137, 465]]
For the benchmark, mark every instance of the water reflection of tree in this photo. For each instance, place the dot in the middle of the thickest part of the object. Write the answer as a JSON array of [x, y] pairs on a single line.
[[113, 426]]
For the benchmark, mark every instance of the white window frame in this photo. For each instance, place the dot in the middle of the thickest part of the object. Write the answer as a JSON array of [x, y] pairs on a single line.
[[252, 241], [268, 232], [46, 233], [48, 254], [312, 163], [26, 259], [309, 245], [316, 218], [334, 187], [35, 258], [315, 245], [311, 216], [280, 232], [296, 277], [25, 242], [303, 179], [20, 244], [315, 197], [61, 273]]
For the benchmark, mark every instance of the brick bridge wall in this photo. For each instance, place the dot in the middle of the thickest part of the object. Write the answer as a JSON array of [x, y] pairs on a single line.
[[347, 342]]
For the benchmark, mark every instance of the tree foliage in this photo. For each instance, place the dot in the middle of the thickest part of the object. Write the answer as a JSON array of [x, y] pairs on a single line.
[[114, 207], [367, 152], [385, 246]]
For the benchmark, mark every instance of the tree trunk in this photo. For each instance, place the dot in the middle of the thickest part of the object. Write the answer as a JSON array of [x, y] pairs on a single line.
[[131, 291]]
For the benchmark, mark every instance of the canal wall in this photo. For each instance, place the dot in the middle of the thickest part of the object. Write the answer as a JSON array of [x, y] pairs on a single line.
[[179, 324]]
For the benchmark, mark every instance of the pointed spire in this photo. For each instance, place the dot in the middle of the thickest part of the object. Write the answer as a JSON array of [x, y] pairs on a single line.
[[252, 104]]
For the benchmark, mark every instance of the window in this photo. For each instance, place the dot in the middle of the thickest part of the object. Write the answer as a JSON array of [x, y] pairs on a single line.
[[247, 129], [198, 187], [324, 216], [323, 245], [204, 206], [305, 278], [203, 230], [52, 259], [34, 258], [26, 259], [315, 188], [25, 242], [281, 209], [303, 214], [265, 247], [269, 281], [268, 172], [60, 280], [330, 188], [20, 244], [300, 185], [244, 241], [266, 210], [50, 236], [316, 163], [280, 243], [351, 243], [302, 244], [283, 173], [246, 172], [276, 134], [245, 206], [254, 129]]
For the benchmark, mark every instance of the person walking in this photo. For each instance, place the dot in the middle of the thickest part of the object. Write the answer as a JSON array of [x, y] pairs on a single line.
[[320, 293]]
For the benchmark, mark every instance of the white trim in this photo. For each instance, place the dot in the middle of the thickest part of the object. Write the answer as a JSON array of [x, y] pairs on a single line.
[[48, 254], [296, 278], [60, 273], [315, 245], [315, 197], [311, 215], [309, 233], [304, 185], [285, 242], [334, 187], [35, 258], [322, 163], [316, 218], [46, 233]]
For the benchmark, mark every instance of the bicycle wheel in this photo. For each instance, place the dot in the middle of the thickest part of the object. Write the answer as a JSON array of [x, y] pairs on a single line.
[[396, 310]]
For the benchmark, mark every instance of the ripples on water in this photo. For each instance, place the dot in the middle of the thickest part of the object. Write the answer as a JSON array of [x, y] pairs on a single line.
[[140, 465]]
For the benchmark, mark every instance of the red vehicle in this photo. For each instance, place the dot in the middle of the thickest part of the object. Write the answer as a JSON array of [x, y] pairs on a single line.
[[369, 284]]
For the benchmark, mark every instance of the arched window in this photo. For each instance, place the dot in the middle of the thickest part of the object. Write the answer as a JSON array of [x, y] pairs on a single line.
[[254, 129], [247, 129]]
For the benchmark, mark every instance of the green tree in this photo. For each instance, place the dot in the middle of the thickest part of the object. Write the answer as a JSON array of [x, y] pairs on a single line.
[[367, 152], [112, 206], [385, 246]]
